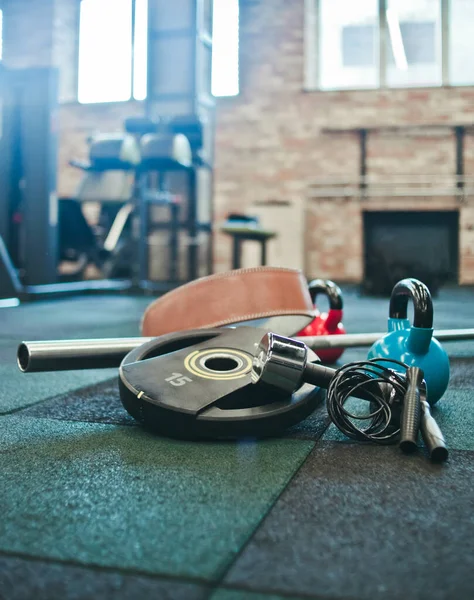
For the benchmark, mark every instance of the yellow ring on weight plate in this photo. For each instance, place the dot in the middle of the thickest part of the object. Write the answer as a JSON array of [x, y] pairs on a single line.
[[190, 364]]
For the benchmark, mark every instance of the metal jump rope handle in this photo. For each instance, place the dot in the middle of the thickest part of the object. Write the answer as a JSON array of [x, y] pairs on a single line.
[[411, 411], [432, 435]]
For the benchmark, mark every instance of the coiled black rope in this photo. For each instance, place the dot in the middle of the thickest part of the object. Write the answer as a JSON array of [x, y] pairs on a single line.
[[363, 379]]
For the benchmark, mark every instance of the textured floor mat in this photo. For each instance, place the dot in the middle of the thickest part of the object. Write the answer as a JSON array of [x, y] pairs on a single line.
[[92, 316], [24, 389], [362, 522], [455, 416], [98, 403], [225, 594], [22, 579], [95, 507], [101, 403], [462, 371], [118, 497]]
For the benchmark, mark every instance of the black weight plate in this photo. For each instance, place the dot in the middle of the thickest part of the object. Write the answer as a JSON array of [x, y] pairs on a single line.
[[196, 384]]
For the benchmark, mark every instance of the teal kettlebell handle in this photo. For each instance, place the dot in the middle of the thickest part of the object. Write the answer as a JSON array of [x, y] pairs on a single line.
[[422, 302], [413, 344]]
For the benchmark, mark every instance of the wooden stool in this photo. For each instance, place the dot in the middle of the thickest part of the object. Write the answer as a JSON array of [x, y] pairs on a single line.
[[242, 234]]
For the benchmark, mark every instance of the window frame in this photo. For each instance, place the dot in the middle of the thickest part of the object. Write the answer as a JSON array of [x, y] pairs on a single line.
[[312, 38]]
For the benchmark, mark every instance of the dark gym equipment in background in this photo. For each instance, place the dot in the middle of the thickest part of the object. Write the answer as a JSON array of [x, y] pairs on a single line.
[[126, 175], [179, 87], [28, 157], [167, 200], [29, 236], [108, 180], [168, 148]]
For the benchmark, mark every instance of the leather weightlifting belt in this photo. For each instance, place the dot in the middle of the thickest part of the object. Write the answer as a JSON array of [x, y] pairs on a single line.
[[269, 297]]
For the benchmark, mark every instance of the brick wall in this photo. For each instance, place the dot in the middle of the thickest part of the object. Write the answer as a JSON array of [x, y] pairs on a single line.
[[270, 143]]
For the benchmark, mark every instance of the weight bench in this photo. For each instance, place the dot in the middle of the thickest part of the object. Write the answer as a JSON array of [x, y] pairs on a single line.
[[109, 179], [119, 177]]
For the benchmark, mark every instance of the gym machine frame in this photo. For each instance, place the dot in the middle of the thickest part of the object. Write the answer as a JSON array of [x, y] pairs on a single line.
[[179, 86], [28, 164]]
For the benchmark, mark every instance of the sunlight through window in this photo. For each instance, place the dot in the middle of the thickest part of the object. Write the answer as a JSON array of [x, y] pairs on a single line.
[[107, 50], [225, 48]]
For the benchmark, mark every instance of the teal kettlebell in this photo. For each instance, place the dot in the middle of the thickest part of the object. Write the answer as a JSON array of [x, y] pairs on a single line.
[[414, 344]]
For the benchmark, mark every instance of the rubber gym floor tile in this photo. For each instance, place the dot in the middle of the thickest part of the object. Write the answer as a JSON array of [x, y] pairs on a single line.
[[75, 331], [455, 416], [99, 403], [460, 350], [313, 427], [72, 318], [462, 372], [23, 579], [226, 594], [20, 390], [122, 498], [360, 521]]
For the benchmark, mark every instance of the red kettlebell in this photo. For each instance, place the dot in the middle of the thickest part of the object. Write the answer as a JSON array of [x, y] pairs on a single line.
[[326, 323]]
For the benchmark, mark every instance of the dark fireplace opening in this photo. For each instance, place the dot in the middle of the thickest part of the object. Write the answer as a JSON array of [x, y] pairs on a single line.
[[400, 244]]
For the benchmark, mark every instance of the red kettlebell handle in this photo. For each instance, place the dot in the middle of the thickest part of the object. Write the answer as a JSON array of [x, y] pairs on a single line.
[[333, 293]]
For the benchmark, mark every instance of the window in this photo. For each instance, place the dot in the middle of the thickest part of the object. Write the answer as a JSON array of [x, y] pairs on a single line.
[[113, 59], [413, 42], [394, 43], [349, 41], [359, 46], [461, 42], [225, 48]]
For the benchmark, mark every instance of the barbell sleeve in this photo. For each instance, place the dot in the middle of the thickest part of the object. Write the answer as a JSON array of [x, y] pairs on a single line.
[[70, 355]]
